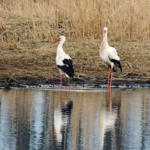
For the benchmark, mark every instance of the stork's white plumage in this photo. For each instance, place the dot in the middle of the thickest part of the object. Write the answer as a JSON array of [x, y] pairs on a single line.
[[63, 60], [109, 55]]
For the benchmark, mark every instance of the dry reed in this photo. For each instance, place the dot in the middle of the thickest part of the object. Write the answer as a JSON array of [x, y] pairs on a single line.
[[46, 19]]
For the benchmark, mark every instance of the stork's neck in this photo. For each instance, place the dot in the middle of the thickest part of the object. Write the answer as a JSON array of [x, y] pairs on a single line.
[[104, 42], [59, 48]]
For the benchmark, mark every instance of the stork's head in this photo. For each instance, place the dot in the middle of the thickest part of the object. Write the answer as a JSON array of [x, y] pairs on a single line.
[[61, 39], [105, 30]]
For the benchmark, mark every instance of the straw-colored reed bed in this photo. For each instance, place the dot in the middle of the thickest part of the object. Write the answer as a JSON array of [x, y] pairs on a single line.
[[129, 19]]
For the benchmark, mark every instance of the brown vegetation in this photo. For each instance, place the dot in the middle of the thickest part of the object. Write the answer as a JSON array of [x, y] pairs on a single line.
[[79, 19]]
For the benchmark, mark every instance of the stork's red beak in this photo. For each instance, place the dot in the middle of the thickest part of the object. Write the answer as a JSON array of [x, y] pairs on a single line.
[[55, 41]]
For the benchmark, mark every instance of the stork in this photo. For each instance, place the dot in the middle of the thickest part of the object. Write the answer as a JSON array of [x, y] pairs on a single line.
[[63, 61], [109, 55]]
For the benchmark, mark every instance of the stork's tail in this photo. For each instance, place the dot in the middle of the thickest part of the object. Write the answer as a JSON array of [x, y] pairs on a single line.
[[117, 63]]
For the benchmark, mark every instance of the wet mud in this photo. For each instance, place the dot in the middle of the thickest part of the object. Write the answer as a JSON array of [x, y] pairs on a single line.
[[129, 80]]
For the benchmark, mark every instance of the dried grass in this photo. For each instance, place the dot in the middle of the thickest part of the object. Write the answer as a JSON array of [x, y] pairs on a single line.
[[47, 19]]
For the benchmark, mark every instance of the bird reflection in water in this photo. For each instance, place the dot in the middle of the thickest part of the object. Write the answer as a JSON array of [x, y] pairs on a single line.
[[62, 124], [107, 120], [109, 97], [68, 93]]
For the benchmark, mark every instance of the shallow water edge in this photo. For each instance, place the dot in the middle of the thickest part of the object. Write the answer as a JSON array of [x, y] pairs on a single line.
[[77, 84]]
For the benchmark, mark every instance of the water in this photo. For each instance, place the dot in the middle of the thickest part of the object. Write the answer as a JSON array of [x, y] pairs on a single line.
[[45, 119]]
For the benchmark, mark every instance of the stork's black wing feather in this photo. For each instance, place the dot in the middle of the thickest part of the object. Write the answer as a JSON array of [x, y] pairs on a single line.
[[67, 67], [117, 63]]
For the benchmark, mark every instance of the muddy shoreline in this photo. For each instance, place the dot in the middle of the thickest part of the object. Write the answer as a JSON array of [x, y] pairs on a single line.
[[98, 82]]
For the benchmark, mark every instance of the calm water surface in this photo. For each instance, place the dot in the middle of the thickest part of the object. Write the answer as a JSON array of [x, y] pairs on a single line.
[[45, 119]]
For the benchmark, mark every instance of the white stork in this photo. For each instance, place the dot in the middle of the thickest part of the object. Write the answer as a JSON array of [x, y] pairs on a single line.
[[109, 55], [63, 61]]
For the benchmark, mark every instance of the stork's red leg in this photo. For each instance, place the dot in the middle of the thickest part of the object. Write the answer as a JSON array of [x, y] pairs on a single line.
[[69, 84], [61, 78], [60, 92], [108, 81], [110, 78], [68, 88], [109, 71]]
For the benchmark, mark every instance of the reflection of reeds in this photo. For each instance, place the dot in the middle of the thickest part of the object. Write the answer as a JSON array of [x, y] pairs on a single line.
[[86, 18]]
